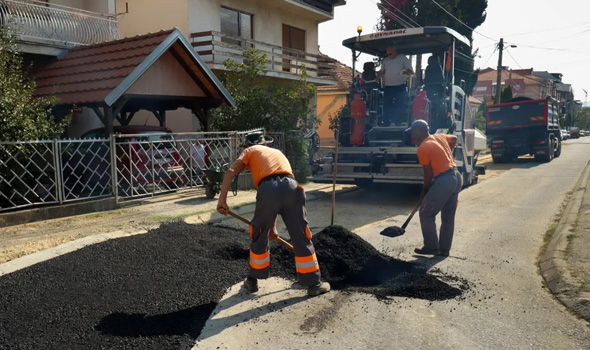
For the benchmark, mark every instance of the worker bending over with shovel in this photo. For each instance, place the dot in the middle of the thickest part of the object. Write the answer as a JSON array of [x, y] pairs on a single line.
[[442, 183], [278, 193]]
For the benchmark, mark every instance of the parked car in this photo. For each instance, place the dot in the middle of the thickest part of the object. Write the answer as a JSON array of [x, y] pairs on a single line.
[[565, 134], [146, 156], [583, 133]]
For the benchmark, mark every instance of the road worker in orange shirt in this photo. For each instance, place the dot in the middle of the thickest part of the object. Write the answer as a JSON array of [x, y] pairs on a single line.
[[278, 194], [442, 184]]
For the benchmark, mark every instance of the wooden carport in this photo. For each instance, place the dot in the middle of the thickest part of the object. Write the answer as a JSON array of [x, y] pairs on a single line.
[[155, 72]]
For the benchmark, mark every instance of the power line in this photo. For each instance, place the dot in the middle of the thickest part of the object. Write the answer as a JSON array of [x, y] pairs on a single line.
[[458, 20], [401, 12], [393, 16], [493, 52], [550, 29], [518, 64]]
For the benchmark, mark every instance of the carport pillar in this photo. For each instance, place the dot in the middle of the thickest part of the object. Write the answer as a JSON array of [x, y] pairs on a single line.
[[160, 115], [108, 120]]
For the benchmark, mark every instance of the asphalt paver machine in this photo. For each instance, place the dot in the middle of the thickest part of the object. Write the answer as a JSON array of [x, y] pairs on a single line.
[[370, 152]]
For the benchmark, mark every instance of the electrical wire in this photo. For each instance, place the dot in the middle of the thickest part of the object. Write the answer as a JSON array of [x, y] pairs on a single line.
[[401, 12], [458, 20], [514, 59]]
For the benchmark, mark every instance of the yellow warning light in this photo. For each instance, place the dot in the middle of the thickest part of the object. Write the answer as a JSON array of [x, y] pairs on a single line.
[[359, 29]]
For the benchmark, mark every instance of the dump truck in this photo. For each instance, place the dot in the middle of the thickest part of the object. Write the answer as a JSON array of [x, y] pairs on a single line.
[[524, 126], [370, 152]]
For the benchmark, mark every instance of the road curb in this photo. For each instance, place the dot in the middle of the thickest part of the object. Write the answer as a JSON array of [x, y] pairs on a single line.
[[553, 265]]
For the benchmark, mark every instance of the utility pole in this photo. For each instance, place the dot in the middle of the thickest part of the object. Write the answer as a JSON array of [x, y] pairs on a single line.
[[499, 81]]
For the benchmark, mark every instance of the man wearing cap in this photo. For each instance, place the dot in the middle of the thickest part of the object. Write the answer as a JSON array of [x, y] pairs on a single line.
[[394, 71], [278, 193], [442, 183]]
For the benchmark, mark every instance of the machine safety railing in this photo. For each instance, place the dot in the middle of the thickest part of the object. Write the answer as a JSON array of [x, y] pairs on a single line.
[[60, 26], [44, 172]]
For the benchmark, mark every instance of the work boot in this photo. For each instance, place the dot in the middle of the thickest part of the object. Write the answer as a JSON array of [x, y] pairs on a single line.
[[443, 253], [426, 251], [251, 285], [318, 289]]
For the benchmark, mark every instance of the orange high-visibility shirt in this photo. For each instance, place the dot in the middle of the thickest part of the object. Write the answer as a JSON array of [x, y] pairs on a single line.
[[436, 152], [264, 161]]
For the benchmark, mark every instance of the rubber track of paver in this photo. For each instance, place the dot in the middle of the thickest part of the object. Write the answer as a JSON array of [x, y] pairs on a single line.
[[156, 291]]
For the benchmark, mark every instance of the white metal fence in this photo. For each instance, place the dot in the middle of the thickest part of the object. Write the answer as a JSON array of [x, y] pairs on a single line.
[[60, 171]]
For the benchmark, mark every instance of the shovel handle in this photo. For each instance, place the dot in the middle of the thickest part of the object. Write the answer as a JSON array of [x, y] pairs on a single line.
[[244, 220], [412, 214]]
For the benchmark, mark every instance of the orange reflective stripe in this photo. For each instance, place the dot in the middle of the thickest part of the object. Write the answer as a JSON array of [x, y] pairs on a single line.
[[259, 261], [259, 266], [304, 259], [251, 231], [307, 233], [299, 186], [259, 256], [308, 269]]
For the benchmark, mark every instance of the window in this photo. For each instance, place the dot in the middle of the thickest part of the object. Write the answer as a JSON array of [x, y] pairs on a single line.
[[236, 23], [293, 38]]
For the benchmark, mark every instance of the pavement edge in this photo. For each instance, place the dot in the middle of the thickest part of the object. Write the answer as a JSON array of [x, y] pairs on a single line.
[[553, 264]]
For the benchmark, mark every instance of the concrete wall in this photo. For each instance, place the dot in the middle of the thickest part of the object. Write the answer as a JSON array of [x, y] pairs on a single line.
[[269, 17], [150, 16], [99, 6]]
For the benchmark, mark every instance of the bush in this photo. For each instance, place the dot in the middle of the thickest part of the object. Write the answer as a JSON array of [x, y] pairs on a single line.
[[277, 106]]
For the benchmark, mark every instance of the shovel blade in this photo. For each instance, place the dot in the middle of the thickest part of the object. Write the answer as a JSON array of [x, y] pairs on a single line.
[[393, 231]]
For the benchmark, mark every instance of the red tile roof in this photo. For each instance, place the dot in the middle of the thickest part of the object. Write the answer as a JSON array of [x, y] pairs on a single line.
[[343, 77], [102, 73], [87, 74]]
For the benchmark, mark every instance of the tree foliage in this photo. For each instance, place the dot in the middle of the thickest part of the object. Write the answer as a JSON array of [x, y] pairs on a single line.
[[285, 106], [22, 116], [427, 13], [506, 94]]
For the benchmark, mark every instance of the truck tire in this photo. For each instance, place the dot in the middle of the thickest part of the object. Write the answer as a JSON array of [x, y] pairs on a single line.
[[558, 150], [498, 159]]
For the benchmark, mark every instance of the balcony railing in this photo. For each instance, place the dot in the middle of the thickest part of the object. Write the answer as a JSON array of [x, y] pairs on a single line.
[[40, 23], [215, 47]]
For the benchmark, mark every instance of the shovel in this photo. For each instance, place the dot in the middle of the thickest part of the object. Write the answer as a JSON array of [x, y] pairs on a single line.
[[395, 231], [244, 220]]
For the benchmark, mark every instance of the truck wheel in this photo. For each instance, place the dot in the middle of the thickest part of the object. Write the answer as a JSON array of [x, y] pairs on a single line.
[[497, 159], [558, 150]]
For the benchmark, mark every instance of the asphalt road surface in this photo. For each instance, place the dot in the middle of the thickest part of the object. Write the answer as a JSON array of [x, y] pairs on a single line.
[[500, 227]]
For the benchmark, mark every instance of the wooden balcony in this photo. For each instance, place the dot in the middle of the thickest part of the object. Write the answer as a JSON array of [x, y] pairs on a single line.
[[42, 24], [282, 62]]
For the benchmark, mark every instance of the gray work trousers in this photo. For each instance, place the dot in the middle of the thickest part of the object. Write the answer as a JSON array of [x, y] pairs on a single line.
[[282, 196], [441, 197]]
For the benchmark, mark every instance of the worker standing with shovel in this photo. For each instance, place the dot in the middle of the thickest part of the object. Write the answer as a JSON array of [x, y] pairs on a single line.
[[278, 193], [442, 183]]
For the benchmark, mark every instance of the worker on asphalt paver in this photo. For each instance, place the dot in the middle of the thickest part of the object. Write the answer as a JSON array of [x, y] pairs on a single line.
[[442, 183], [278, 193]]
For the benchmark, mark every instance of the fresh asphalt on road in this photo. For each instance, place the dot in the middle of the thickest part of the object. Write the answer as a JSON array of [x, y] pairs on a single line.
[[500, 229]]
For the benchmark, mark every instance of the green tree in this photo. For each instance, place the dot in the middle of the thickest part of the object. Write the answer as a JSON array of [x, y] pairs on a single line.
[[480, 116], [506, 94], [276, 106], [426, 13], [22, 116]]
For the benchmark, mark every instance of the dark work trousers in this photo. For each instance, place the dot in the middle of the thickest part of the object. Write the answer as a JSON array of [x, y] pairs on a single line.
[[395, 101], [441, 197], [282, 196]]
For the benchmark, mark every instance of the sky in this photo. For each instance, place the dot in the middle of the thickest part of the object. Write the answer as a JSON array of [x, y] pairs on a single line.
[[550, 36]]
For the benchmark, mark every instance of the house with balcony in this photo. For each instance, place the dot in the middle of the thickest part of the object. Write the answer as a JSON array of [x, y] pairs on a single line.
[[286, 30], [45, 28]]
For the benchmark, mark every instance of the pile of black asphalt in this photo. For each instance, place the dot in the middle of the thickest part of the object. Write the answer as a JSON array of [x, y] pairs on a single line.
[[157, 290]]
